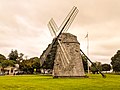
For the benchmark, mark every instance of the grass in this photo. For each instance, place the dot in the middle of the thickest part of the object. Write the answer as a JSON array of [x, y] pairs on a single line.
[[40, 82]]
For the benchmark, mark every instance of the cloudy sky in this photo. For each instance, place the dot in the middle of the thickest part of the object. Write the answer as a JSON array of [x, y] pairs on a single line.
[[23, 25]]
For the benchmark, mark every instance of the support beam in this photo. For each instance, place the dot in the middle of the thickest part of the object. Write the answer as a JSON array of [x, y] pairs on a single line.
[[93, 64]]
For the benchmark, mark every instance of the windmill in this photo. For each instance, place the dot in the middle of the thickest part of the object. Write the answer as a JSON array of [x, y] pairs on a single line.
[[65, 63]]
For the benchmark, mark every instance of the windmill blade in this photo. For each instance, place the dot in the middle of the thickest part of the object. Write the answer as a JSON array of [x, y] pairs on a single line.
[[71, 20], [62, 60], [69, 16], [54, 25], [52, 28], [93, 64], [64, 53]]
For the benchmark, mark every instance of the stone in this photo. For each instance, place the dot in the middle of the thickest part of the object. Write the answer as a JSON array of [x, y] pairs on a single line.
[[71, 66]]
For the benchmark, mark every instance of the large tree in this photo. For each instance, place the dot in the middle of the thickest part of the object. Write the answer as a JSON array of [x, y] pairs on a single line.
[[115, 61]]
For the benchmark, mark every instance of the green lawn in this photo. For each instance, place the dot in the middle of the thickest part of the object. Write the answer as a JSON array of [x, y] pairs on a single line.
[[40, 82]]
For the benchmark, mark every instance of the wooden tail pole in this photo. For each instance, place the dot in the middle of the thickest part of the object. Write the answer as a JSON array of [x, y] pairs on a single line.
[[104, 76]]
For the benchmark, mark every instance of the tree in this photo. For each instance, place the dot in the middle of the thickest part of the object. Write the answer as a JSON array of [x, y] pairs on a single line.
[[85, 63], [106, 67], [29, 65], [7, 63], [20, 58], [115, 62], [13, 55], [93, 69], [2, 57]]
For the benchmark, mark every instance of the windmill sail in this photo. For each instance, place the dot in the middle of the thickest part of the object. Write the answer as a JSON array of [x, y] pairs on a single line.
[[75, 10], [71, 20], [52, 22], [52, 29]]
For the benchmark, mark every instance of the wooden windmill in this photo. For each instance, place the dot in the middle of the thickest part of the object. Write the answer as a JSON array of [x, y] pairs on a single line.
[[68, 61], [66, 64]]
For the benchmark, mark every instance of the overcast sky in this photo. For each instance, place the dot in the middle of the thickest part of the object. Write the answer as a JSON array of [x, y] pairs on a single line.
[[23, 25]]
